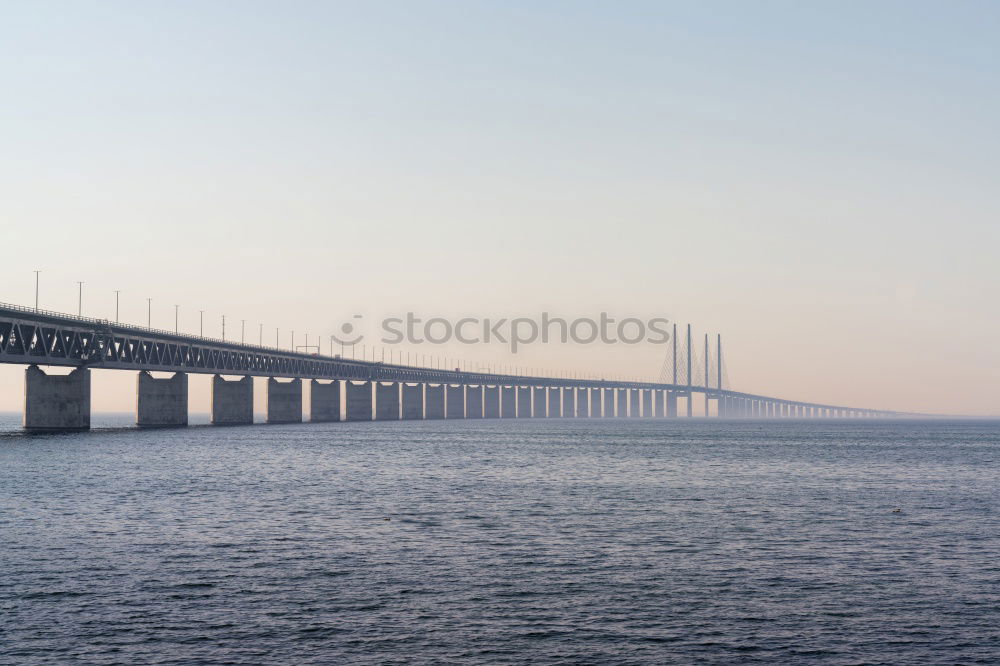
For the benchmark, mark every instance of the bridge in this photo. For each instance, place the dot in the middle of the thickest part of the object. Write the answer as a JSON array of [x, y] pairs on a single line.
[[371, 390]]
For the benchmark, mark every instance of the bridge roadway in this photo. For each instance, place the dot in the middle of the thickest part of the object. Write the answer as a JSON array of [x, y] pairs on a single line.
[[37, 337]]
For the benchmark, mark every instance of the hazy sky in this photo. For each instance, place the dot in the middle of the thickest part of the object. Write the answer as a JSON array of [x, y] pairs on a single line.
[[816, 181]]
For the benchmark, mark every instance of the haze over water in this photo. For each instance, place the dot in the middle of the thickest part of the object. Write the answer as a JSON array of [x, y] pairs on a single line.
[[605, 541]]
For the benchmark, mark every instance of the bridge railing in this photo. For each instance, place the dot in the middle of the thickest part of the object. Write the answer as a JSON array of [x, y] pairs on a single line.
[[135, 328]]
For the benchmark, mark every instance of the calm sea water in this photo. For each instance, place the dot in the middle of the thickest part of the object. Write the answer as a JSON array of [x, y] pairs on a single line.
[[566, 542]]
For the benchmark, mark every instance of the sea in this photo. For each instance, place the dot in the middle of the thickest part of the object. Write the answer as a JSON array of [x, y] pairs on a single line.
[[602, 541]]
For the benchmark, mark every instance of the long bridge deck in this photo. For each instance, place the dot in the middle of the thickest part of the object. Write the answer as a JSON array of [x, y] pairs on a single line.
[[38, 337]]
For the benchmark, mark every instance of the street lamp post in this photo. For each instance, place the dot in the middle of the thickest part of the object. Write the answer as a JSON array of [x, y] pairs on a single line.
[[36, 290], [201, 323], [176, 318], [223, 328], [79, 300], [149, 313], [117, 291]]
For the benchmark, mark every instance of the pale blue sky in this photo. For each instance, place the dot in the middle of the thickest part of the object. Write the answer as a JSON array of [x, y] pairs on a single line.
[[817, 181]]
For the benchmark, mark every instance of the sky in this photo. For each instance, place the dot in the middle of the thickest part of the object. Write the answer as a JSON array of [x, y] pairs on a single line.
[[814, 181]]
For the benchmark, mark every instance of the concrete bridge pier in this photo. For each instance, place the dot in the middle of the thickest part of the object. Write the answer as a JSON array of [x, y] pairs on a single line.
[[555, 403], [284, 401], [658, 404], [583, 403], [508, 402], [473, 402], [232, 401], [621, 403], [455, 395], [491, 402], [434, 408], [568, 407], [634, 396], [647, 403], [324, 401], [539, 402], [524, 402], [413, 402], [595, 403], [386, 401], [161, 403], [358, 400], [671, 405], [56, 402]]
